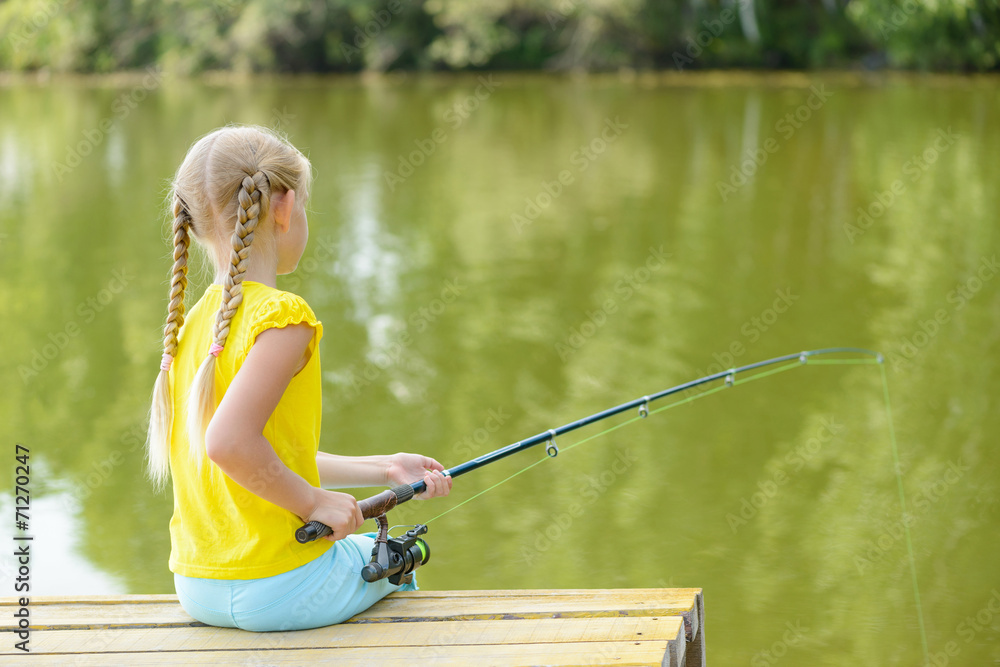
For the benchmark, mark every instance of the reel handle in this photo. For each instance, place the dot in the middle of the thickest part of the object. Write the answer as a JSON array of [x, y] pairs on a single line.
[[372, 507]]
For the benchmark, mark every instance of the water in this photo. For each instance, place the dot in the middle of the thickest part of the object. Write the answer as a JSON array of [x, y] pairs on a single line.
[[553, 247]]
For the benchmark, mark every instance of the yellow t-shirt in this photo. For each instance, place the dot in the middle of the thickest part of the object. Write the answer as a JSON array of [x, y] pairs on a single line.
[[220, 530]]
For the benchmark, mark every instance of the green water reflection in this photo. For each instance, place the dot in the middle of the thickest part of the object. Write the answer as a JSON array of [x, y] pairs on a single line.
[[639, 259]]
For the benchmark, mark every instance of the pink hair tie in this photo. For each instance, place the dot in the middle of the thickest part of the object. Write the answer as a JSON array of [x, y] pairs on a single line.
[[165, 362], [215, 349]]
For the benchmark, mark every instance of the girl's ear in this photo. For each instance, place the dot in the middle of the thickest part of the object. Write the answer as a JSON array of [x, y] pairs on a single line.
[[282, 205]]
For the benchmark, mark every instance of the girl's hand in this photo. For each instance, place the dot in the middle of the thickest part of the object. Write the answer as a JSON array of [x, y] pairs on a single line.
[[408, 468], [338, 510]]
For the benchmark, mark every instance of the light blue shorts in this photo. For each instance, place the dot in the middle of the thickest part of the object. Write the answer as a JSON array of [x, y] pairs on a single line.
[[326, 591]]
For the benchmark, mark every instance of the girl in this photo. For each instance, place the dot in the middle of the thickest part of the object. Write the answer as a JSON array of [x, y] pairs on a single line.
[[239, 385]]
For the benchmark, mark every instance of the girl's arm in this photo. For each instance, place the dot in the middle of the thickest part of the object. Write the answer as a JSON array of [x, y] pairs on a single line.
[[337, 472], [352, 471], [234, 439]]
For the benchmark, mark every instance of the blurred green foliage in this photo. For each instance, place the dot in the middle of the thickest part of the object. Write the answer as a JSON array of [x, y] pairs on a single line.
[[353, 35]]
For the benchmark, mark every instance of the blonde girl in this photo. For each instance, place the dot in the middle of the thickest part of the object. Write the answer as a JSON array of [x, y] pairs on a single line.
[[235, 419]]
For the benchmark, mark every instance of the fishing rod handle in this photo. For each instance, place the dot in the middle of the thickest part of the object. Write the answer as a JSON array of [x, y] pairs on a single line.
[[372, 507]]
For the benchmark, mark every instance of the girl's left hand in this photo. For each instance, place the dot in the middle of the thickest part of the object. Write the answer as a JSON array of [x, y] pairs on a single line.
[[408, 468]]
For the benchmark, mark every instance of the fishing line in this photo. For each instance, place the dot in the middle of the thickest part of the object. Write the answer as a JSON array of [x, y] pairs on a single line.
[[906, 524]]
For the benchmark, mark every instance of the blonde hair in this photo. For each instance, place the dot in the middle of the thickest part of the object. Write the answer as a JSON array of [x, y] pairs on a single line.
[[221, 196]]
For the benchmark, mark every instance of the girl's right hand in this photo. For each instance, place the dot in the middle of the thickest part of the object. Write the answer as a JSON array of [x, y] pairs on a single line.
[[338, 510]]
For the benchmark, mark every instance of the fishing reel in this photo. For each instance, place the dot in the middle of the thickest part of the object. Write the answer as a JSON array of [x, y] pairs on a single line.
[[396, 557]]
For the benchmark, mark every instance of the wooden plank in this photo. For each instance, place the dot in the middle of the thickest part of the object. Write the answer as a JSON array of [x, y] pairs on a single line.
[[626, 654], [92, 599], [496, 594], [547, 604], [553, 592], [415, 634], [91, 613]]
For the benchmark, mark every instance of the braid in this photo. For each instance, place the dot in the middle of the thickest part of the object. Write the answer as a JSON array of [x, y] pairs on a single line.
[[178, 279], [162, 410], [254, 198]]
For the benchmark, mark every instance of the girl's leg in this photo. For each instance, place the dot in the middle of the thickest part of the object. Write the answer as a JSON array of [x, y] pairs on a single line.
[[327, 591], [207, 600]]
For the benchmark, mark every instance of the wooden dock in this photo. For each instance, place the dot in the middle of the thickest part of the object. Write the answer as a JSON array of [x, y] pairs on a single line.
[[504, 627]]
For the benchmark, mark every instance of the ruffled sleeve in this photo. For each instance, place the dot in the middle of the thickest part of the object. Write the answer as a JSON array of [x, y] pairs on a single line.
[[281, 309]]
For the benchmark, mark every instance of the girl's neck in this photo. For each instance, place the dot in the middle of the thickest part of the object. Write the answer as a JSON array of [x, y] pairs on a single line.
[[262, 270]]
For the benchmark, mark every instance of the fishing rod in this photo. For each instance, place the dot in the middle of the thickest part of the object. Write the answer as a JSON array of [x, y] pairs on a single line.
[[396, 558]]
